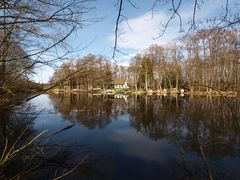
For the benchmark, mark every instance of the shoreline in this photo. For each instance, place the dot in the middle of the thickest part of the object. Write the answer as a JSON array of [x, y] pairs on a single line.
[[154, 92]]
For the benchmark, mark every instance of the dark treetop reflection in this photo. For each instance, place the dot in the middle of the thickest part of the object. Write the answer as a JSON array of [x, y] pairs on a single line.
[[190, 137], [146, 137]]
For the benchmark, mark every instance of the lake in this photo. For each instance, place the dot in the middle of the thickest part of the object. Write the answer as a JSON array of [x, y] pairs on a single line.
[[134, 137]]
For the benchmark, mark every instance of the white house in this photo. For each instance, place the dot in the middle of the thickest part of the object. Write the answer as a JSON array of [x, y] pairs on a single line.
[[119, 83]]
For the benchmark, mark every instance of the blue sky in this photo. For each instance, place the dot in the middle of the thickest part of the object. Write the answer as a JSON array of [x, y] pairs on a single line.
[[140, 32]]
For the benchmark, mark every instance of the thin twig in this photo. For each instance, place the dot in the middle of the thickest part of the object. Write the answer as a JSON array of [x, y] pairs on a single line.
[[73, 169]]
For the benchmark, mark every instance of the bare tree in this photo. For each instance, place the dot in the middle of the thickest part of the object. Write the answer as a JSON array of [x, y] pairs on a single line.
[[39, 28]]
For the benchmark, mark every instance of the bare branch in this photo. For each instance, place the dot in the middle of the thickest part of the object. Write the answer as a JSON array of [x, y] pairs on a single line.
[[175, 12], [132, 4], [116, 28]]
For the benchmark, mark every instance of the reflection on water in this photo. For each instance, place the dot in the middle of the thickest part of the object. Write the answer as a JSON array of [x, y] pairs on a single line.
[[145, 137], [90, 111]]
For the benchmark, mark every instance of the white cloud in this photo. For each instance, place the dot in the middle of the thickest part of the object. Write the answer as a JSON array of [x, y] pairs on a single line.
[[144, 28]]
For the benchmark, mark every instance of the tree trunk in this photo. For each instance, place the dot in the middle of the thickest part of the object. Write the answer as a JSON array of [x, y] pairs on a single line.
[[4, 49], [146, 80]]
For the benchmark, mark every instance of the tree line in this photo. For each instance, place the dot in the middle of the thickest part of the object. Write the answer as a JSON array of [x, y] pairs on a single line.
[[33, 34], [204, 60], [201, 61], [84, 73]]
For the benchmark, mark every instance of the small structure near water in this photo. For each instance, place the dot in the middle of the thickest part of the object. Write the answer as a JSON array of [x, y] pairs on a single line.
[[119, 83]]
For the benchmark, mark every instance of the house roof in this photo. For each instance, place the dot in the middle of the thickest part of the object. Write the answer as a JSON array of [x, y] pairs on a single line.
[[118, 81]]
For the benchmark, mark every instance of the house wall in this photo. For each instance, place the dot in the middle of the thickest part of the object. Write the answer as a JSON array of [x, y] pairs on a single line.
[[120, 86]]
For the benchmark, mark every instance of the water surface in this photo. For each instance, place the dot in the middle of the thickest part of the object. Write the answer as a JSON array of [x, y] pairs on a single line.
[[142, 137]]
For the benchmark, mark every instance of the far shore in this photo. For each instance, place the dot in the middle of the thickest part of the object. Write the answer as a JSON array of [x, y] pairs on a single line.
[[151, 92]]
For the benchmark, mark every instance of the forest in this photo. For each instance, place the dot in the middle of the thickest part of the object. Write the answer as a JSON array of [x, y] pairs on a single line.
[[203, 61], [33, 34]]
